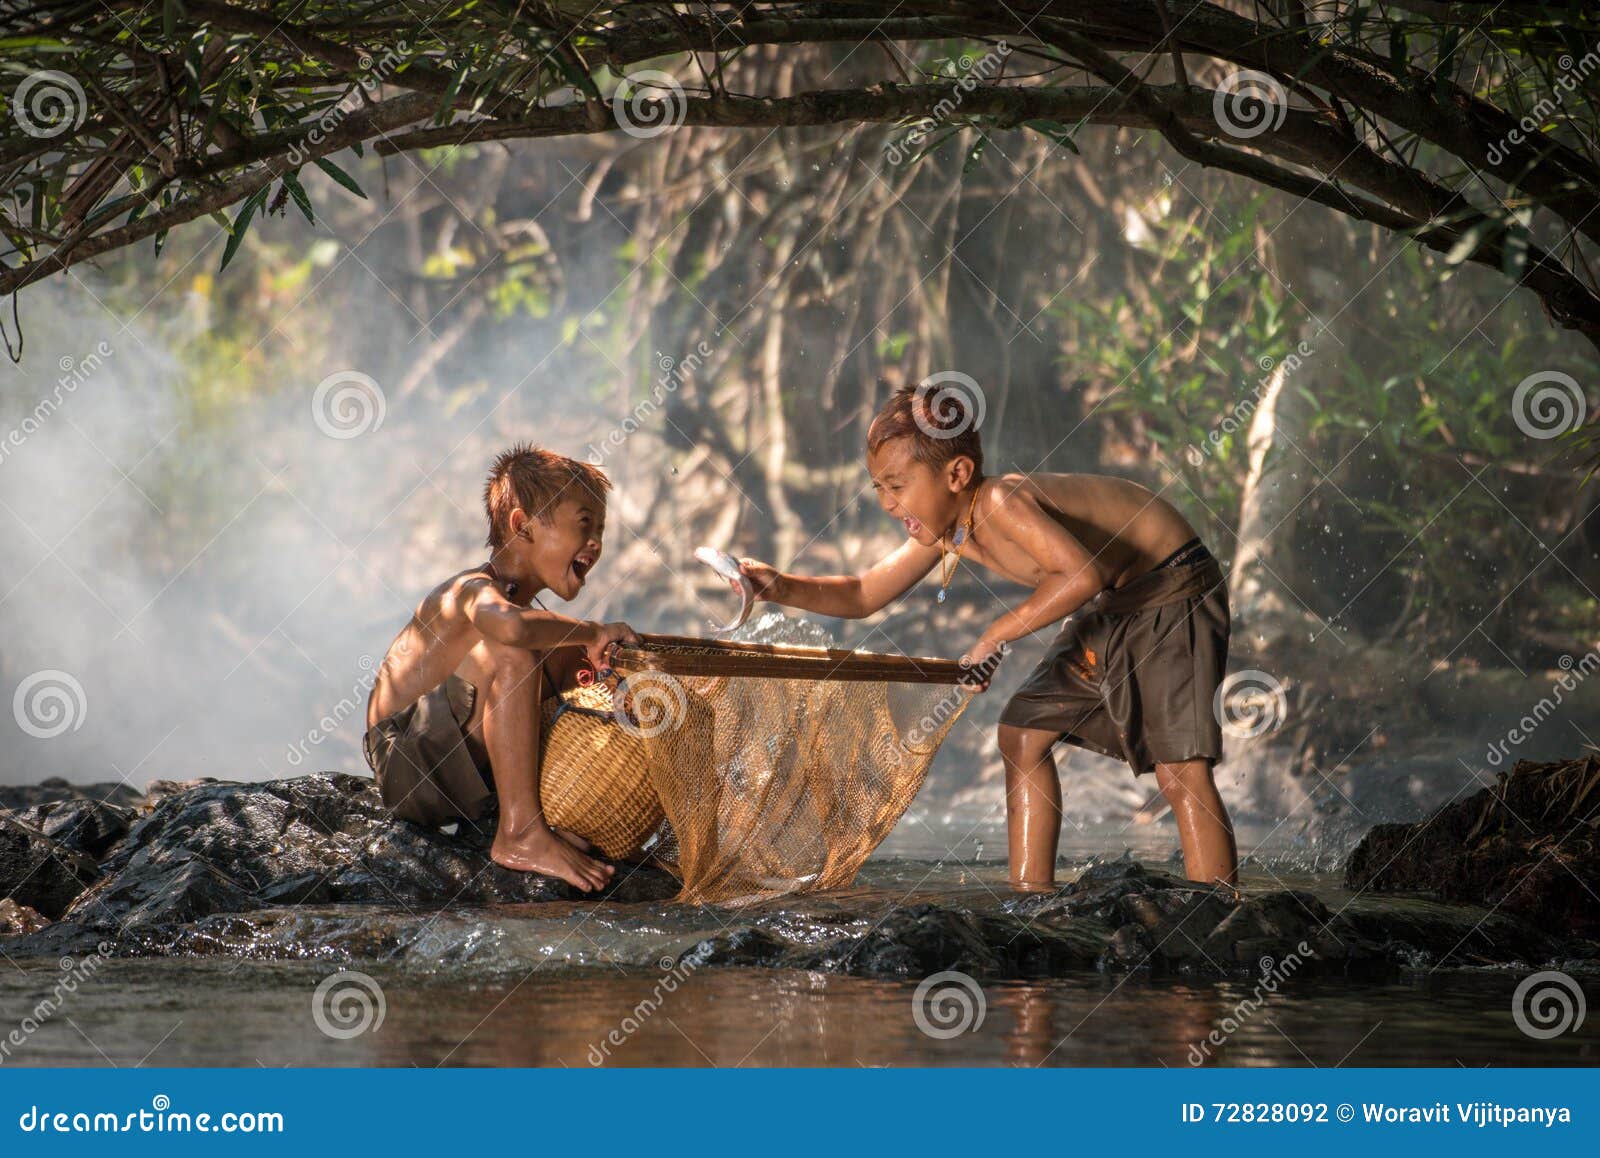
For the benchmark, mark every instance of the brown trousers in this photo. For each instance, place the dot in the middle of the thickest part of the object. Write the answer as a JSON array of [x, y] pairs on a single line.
[[1134, 674]]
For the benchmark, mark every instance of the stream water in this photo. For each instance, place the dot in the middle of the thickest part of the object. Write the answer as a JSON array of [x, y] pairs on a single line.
[[525, 1010]]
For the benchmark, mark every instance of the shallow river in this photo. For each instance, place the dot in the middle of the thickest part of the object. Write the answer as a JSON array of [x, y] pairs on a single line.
[[228, 1012]]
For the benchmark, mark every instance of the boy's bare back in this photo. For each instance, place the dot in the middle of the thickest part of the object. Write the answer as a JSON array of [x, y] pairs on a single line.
[[431, 647], [1125, 527]]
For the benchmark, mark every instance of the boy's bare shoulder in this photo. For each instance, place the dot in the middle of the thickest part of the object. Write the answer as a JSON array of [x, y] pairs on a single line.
[[450, 596], [1000, 494]]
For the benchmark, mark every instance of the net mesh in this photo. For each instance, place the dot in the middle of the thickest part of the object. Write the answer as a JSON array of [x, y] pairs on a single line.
[[778, 769]]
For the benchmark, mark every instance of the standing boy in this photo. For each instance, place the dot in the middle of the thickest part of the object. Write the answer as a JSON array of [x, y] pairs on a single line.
[[1132, 675]]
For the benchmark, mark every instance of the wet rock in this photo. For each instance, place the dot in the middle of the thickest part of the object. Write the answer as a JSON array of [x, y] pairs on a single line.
[[1172, 926], [748, 947], [37, 872], [1529, 847], [14, 797], [1097, 891], [1423, 934], [158, 790], [91, 827], [313, 868], [1160, 923], [220, 847], [133, 904], [19, 920], [914, 941]]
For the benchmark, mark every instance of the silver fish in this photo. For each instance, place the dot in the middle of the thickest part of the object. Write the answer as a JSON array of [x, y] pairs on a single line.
[[727, 567]]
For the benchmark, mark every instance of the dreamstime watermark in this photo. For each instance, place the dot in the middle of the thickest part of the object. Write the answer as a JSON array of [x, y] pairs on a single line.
[[48, 104], [1248, 103], [970, 72], [1240, 416], [373, 73], [1273, 974], [1250, 703], [1548, 1004], [933, 722], [650, 704], [348, 404], [1548, 404], [1573, 74], [156, 1120], [348, 1004], [673, 974], [342, 711], [950, 404], [74, 373], [948, 1004], [73, 974], [1573, 673], [670, 378], [649, 103], [49, 703]]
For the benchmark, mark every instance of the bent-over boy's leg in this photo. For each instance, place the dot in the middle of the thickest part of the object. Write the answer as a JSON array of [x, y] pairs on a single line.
[[511, 723], [1033, 806], [1209, 854]]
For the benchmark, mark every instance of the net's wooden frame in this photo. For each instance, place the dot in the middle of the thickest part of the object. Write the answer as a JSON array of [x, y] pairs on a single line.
[[686, 655]]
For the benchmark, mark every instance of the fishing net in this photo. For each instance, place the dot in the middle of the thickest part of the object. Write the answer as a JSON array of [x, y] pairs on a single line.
[[775, 769]]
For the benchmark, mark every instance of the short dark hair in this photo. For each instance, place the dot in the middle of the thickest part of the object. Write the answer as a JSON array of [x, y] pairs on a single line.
[[941, 424], [537, 480]]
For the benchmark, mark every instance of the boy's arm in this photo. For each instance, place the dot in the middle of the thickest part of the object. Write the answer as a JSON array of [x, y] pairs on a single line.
[[845, 596], [1072, 577], [501, 620]]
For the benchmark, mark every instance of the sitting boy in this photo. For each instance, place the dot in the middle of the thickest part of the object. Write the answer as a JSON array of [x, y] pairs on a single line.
[[1133, 677], [454, 715]]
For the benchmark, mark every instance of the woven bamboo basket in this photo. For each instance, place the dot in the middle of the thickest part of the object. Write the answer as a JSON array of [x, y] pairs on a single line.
[[595, 775]]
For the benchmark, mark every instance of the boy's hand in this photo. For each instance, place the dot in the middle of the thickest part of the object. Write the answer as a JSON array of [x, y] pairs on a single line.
[[610, 634], [981, 660], [767, 579]]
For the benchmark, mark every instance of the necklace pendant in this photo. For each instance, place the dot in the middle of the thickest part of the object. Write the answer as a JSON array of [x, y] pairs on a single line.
[[959, 537], [941, 595]]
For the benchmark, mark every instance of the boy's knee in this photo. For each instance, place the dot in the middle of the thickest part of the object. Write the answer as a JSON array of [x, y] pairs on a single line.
[[1023, 745], [1181, 779], [513, 664]]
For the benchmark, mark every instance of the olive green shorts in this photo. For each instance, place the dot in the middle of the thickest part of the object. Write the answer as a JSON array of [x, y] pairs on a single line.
[[1134, 674], [426, 772]]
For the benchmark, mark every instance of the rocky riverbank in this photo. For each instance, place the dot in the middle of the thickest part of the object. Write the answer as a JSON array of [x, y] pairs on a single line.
[[312, 868]]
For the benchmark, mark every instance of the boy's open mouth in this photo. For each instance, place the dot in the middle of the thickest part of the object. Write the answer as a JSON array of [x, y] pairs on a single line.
[[913, 527], [581, 566]]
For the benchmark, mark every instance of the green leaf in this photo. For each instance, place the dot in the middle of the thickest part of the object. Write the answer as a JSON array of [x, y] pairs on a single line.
[[291, 182], [975, 154], [1514, 258], [171, 12], [1059, 133], [1469, 242], [1397, 47], [1444, 72], [1358, 14], [579, 79], [241, 225], [340, 176]]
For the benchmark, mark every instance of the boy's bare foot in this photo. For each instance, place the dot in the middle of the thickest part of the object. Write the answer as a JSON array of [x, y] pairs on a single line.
[[540, 850], [572, 838]]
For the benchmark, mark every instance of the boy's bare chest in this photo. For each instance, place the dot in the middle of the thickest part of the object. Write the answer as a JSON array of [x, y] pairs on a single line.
[[1005, 559]]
